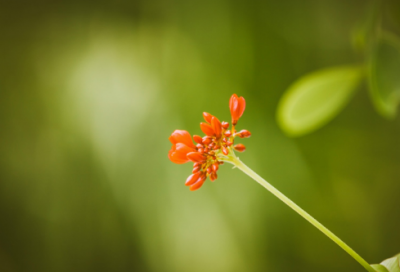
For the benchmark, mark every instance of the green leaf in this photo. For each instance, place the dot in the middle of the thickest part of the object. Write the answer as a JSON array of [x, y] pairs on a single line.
[[316, 98], [384, 75], [392, 264], [388, 265], [379, 268]]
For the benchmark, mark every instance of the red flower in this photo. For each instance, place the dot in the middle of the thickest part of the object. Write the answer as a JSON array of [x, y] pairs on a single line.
[[181, 136], [211, 149], [181, 145], [237, 106]]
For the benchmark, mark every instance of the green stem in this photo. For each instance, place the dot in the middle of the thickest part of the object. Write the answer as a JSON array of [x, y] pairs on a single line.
[[235, 161]]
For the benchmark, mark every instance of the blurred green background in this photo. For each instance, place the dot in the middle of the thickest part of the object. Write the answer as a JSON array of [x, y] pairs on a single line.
[[90, 92]]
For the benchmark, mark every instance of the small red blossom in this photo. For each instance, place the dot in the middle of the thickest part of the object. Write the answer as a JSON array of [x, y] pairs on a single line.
[[237, 106], [210, 150]]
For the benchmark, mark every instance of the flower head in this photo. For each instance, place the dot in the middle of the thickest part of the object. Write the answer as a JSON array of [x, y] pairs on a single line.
[[210, 150]]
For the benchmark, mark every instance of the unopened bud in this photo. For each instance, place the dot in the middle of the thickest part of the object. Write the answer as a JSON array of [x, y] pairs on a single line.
[[196, 169], [239, 147], [206, 140], [244, 134], [193, 178], [225, 125], [213, 176], [199, 182], [215, 167]]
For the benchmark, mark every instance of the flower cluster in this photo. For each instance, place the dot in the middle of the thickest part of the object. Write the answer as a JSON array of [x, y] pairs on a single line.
[[209, 151]]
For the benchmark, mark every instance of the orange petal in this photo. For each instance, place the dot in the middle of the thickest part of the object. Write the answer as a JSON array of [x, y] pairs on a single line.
[[216, 126], [175, 157], [237, 106], [178, 153], [207, 117], [242, 106], [196, 157], [198, 139], [233, 102], [183, 149], [207, 129], [181, 136]]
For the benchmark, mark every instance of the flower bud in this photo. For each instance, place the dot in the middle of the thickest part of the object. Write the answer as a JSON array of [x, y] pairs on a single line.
[[196, 169], [228, 133], [239, 147], [193, 178], [206, 140], [213, 176], [198, 183], [244, 134], [225, 125], [237, 106]]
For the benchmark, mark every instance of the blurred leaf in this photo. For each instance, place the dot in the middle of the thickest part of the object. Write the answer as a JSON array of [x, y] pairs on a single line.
[[388, 265], [379, 268], [384, 75], [364, 30], [392, 264], [316, 98]]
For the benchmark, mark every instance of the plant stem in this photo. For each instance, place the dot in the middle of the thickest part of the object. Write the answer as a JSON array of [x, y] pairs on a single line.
[[235, 161]]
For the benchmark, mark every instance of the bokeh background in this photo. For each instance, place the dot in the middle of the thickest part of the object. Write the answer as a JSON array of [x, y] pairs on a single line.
[[90, 92]]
